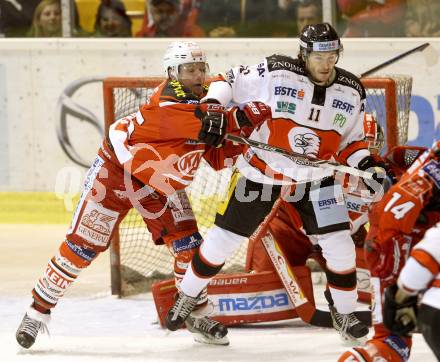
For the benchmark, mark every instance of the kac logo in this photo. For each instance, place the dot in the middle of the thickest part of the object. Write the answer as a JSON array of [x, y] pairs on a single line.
[[189, 162]]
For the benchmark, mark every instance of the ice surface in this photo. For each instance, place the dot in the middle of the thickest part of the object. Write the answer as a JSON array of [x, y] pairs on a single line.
[[89, 325], [106, 328]]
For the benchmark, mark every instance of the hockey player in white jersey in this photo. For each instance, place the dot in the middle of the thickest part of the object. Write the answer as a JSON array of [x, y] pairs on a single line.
[[318, 111]]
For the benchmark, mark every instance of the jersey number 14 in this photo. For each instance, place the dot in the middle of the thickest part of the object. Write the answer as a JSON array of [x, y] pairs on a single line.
[[399, 210]]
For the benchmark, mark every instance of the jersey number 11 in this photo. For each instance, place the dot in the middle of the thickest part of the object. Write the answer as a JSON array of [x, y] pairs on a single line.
[[313, 116]]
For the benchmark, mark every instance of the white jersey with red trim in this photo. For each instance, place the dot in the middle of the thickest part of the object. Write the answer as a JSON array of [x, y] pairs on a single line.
[[325, 122], [422, 270]]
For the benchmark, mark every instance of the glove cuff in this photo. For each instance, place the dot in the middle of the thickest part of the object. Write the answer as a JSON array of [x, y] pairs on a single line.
[[366, 163], [241, 118]]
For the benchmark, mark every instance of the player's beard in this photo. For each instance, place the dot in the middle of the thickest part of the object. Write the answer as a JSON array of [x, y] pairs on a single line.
[[325, 83]]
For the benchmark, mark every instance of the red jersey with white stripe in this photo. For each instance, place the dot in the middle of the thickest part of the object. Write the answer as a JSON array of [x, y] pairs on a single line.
[[411, 206], [422, 270], [159, 144], [325, 122]]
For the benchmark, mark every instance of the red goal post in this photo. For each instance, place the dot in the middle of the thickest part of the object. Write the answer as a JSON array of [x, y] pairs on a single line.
[[135, 261]]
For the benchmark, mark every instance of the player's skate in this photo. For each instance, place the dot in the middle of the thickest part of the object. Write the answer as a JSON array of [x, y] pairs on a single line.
[[33, 321], [207, 330], [181, 309], [349, 327]]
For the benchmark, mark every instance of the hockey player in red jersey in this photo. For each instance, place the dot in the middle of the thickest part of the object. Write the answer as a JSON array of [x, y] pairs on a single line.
[[318, 110], [145, 162], [419, 276], [397, 223]]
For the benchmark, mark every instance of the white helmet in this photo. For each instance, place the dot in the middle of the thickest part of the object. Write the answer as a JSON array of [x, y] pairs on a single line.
[[182, 52]]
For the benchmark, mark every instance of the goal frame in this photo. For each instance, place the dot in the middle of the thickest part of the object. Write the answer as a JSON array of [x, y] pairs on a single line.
[[388, 84]]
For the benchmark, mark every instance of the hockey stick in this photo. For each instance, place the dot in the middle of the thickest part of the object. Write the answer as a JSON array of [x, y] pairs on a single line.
[[300, 159], [305, 309], [395, 59]]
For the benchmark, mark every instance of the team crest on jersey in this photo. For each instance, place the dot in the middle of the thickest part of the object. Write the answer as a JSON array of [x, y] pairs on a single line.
[[189, 162], [416, 186], [304, 141]]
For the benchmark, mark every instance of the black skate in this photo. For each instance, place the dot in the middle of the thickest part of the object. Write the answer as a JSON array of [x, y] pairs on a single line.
[[181, 309], [33, 321], [207, 330], [348, 325]]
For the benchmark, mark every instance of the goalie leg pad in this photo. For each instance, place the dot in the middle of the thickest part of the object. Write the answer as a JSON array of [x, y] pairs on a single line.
[[363, 277], [241, 298], [286, 228]]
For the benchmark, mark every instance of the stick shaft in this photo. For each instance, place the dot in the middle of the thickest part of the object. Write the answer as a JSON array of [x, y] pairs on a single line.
[[393, 60], [300, 159]]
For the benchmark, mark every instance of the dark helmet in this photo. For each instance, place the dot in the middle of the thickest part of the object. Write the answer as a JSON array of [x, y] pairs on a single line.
[[319, 38]]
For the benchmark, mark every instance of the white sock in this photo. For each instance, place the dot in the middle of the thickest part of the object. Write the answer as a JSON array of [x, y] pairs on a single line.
[[217, 246]]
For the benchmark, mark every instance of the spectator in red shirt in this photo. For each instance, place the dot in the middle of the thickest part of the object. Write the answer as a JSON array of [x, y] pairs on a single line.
[[170, 18], [373, 18]]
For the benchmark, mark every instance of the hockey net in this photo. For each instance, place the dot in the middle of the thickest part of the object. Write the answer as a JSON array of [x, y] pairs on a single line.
[[136, 262]]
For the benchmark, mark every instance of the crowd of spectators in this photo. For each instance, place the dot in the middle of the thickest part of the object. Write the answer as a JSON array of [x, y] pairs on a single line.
[[223, 18]]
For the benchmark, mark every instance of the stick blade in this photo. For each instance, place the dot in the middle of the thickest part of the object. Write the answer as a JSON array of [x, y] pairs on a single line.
[[431, 55]]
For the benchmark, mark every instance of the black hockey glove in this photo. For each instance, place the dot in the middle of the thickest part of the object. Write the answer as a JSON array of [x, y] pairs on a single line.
[[379, 175], [400, 317], [214, 122]]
